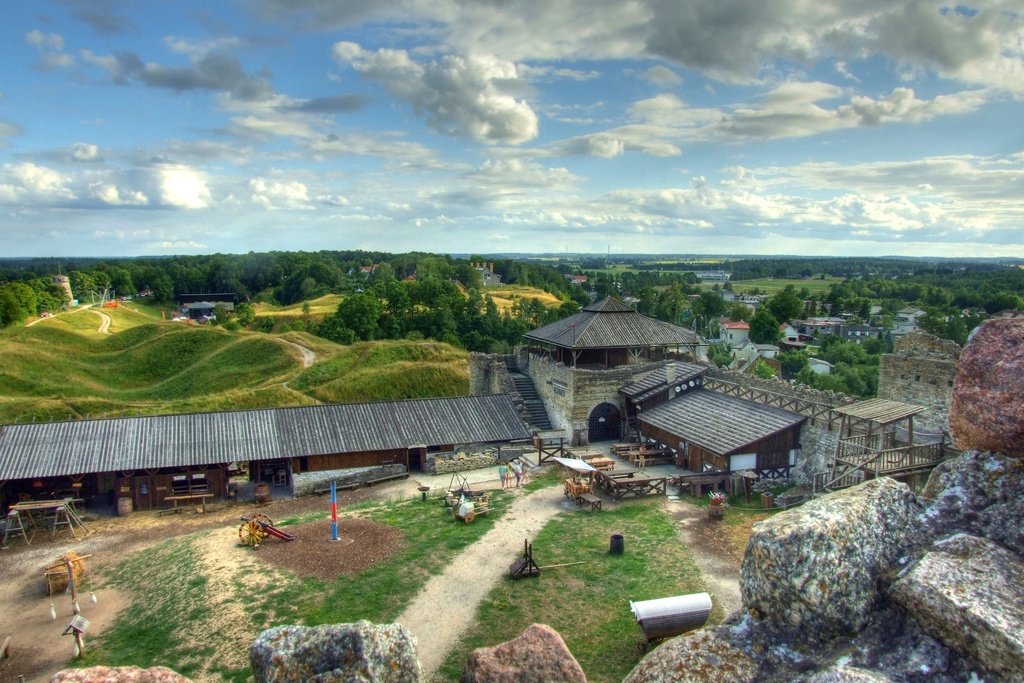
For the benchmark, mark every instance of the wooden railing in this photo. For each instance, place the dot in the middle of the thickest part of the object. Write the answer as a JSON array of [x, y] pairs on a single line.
[[811, 409], [854, 461]]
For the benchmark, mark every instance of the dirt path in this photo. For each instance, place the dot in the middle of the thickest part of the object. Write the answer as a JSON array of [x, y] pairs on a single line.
[[105, 323], [467, 582], [308, 355]]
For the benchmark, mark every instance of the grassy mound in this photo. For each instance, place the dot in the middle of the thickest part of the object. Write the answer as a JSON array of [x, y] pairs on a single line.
[[387, 370], [62, 368]]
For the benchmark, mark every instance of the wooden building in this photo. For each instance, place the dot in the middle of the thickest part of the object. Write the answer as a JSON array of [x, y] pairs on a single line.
[[708, 430], [151, 458], [610, 334]]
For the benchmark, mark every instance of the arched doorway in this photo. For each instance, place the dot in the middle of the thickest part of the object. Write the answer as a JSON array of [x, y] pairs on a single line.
[[604, 423]]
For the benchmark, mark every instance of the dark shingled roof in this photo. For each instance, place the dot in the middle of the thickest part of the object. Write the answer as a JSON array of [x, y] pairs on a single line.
[[718, 423], [609, 323], [133, 443], [657, 381]]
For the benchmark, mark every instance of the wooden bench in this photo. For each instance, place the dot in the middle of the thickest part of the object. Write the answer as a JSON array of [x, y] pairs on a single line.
[[169, 511], [590, 499]]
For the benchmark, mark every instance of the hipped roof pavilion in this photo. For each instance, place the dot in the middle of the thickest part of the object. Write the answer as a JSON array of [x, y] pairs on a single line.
[[604, 330]]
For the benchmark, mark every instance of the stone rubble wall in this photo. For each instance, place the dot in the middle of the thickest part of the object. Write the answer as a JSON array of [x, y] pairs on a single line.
[[920, 371]]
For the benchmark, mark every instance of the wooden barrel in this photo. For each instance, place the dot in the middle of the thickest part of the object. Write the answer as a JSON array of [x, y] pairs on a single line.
[[124, 506], [262, 492]]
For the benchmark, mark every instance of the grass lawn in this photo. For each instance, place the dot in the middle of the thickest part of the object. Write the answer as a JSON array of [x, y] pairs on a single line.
[[588, 604], [181, 597]]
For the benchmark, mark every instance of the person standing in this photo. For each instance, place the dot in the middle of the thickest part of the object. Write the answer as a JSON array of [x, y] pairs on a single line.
[[517, 470], [503, 474]]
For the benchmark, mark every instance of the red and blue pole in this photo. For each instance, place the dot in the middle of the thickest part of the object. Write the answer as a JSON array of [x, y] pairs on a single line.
[[334, 512]]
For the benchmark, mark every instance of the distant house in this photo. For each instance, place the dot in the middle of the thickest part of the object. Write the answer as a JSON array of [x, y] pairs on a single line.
[[486, 270], [857, 333], [367, 270], [789, 333], [735, 333], [819, 366], [459, 286], [713, 275], [576, 279]]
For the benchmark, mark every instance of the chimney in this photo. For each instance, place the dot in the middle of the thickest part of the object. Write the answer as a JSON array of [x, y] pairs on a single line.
[[670, 372]]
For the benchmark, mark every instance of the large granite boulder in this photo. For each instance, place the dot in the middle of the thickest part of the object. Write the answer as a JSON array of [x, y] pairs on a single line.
[[986, 412], [119, 674], [849, 674], [979, 494], [821, 568], [967, 592], [705, 655], [344, 653], [538, 655]]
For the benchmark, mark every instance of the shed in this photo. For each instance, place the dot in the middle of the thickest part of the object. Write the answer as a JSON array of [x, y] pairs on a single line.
[[709, 430]]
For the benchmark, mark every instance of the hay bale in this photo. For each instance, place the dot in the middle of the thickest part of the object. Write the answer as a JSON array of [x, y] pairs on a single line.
[[56, 574]]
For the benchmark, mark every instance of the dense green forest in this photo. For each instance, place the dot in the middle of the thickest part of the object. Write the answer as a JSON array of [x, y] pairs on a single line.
[[428, 296]]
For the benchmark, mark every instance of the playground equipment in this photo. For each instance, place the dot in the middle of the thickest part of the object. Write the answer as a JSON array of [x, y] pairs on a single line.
[[257, 527]]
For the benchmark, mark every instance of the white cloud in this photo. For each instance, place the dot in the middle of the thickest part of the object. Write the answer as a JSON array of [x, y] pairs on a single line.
[[461, 96], [182, 187], [111, 195], [84, 152], [273, 195], [44, 40], [661, 75], [28, 183]]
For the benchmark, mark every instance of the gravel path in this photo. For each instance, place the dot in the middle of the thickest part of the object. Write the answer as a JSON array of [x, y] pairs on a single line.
[[467, 582]]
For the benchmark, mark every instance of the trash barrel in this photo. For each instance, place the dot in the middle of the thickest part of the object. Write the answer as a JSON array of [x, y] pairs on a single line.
[[124, 506], [767, 501], [618, 545], [262, 492]]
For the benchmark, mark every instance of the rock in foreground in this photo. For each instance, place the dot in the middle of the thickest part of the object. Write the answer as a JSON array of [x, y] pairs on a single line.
[[538, 655], [966, 593], [819, 568], [986, 412], [119, 674], [341, 653]]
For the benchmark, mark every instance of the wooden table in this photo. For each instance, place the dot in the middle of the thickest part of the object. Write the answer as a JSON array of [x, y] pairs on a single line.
[[604, 464], [64, 514], [696, 483], [619, 485], [189, 497]]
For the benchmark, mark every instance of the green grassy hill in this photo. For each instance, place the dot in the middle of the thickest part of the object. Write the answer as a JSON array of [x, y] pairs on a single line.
[[63, 368]]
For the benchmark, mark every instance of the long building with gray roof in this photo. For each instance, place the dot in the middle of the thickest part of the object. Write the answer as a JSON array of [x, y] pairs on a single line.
[[93, 453]]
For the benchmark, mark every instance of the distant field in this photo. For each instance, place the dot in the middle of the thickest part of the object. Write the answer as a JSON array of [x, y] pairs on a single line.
[[773, 285], [507, 295], [62, 368]]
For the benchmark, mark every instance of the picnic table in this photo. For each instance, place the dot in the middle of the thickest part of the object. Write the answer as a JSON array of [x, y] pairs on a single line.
[[186, 497], [603, 463], [574, 488], [696, 483], [618, 485]]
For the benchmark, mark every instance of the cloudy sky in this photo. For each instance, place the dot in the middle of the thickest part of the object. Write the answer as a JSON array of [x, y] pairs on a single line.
[[849, 127]]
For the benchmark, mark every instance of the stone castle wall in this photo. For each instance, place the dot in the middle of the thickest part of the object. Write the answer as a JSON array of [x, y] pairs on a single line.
[[920, 371], [571, 394]]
